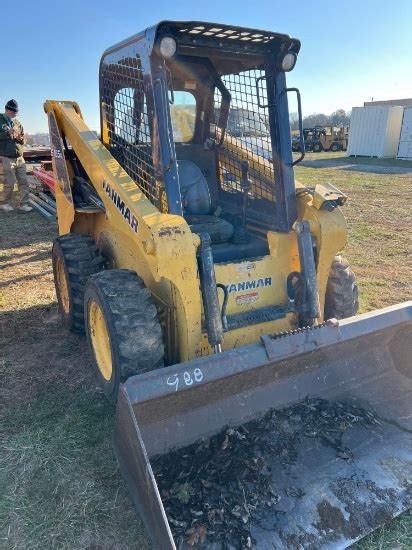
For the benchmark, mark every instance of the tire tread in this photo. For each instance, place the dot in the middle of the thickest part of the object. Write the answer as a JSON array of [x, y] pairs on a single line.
[[342, 295], [137, 331], [82, 259]]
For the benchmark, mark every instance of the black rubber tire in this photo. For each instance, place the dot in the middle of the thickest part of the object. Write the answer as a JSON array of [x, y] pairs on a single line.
[[132, 323], [341, 300], [335, 147], [317, 148], [80, 258]]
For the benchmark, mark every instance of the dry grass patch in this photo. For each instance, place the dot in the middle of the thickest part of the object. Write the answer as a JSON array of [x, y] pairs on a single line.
[[60, 484], [379, 219]]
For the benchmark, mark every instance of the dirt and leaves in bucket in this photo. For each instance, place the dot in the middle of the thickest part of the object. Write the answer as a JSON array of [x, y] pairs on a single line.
[[216, 488]]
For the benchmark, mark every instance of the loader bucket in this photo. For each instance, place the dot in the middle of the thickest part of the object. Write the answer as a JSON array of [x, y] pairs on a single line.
[[335, 500]]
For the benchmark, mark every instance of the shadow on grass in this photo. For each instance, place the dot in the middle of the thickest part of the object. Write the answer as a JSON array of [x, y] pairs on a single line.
[[60, 484], [349, 164], [25, 258], [17, 229], [38, 351], [25, 278]]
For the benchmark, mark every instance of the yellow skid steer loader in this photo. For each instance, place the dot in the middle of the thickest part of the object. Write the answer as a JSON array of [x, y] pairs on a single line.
[[213, 294]]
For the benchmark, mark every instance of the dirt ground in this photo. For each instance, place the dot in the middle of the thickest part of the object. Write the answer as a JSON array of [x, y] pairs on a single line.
[[60, 484]]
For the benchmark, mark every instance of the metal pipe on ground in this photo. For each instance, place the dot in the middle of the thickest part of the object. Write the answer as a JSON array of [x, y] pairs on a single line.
[[40, 210], [45, 177], [49, 199], [49, 207], [42, 207]]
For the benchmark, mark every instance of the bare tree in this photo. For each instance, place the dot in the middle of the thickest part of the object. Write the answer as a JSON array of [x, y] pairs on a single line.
[[338, 118], [294, 121], [316, 119]]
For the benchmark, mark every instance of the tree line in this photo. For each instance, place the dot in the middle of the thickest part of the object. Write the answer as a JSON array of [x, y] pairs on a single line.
[[338, 118]]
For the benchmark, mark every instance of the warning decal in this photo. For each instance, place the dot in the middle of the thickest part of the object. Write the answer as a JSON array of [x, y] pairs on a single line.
[[244, 299]]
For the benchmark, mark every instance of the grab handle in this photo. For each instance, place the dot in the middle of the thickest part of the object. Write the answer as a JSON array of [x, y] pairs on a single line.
[[301, 140]]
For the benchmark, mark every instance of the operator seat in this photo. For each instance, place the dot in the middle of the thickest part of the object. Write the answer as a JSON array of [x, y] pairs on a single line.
[[197, 204]]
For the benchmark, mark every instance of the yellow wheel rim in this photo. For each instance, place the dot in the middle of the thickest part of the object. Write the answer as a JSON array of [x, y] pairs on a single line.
[[99, 336], [63, 286]]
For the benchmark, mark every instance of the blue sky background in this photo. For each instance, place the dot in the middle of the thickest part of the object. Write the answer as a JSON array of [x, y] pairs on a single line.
[[351, 50]]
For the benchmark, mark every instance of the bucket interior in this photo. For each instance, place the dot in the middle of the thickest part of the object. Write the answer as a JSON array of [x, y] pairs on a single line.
[[338, 485]]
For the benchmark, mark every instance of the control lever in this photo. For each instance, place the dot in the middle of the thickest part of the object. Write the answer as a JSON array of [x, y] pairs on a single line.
[[246, 188]]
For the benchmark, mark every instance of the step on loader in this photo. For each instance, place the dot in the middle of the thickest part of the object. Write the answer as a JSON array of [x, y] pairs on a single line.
[[216, 301]]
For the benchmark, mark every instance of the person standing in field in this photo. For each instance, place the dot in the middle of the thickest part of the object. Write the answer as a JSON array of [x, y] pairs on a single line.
[[11, 155]]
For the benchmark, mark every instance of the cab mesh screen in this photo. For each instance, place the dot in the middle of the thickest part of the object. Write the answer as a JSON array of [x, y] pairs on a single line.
[[125, 110], [247, 135]]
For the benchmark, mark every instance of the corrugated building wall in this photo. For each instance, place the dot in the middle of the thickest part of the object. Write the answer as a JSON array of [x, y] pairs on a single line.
[[405, 140], [390, 103], [374, 131]]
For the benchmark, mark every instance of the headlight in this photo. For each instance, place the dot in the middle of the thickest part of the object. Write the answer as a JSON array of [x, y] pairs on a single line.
[[167, 46], [289, 61]]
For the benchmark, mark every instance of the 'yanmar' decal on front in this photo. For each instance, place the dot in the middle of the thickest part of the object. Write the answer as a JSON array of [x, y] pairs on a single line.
[[249, 285], [121, 207]]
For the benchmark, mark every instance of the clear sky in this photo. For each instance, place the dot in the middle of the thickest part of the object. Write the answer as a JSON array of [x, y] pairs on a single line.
[[351, 50]]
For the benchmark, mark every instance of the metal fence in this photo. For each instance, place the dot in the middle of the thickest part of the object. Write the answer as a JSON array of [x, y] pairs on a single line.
[[247, 135], [125, 110]]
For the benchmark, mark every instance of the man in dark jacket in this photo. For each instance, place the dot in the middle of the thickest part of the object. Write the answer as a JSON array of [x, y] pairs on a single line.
[[11, 155]]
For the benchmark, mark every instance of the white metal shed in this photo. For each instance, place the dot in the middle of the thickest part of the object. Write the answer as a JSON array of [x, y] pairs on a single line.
[[405, 141], [374, 131]]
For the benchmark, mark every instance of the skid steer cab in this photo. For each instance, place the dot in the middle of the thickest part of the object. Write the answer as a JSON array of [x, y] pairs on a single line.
[[187, 249]]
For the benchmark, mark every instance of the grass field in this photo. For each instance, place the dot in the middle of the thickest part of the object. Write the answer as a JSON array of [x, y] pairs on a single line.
[[60, 486]]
